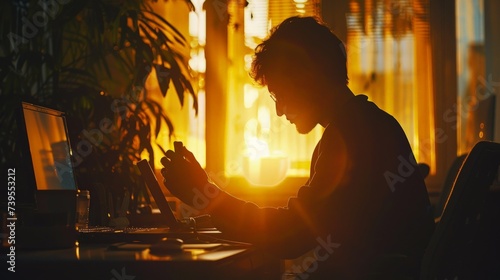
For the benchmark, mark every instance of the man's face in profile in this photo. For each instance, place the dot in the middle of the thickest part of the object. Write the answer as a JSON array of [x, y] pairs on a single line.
[[293, 98]]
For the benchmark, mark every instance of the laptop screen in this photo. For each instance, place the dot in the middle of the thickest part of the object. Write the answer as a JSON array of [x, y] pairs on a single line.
[[49, 148]]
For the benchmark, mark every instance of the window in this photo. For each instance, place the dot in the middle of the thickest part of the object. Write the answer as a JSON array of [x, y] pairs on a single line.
[[389, 60], [473, 92]]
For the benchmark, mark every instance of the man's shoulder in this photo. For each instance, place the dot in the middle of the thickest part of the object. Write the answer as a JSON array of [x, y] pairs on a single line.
[[361, 116]]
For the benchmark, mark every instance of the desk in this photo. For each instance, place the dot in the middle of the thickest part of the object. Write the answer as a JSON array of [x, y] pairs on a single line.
[[99, 261]]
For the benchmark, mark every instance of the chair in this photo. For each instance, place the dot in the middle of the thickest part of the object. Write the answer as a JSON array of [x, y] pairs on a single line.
[[447, 185], [466, 242]]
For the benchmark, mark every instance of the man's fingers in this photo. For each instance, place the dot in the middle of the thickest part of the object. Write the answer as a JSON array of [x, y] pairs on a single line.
[[165, 161], [170, 154], [188, 155]]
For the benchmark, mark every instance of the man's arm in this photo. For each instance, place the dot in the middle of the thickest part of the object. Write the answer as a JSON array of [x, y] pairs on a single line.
[[287, 232]]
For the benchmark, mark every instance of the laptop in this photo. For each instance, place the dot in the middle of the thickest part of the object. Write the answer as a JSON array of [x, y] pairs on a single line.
[[155, 189], [175, 227]]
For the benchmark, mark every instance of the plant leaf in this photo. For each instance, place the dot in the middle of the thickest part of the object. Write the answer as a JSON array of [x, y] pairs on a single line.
[[163, 74]]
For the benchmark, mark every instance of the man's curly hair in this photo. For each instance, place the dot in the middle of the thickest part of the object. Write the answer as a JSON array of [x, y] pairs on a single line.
[[297, 46]]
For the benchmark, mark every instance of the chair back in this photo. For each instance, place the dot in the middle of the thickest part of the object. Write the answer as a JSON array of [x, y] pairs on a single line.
[[465, 244], [448, 185]]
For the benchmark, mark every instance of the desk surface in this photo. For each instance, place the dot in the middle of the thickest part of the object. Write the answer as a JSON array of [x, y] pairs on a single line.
[[135, 261]]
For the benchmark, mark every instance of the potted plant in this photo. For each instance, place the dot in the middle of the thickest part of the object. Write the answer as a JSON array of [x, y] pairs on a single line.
[[91, 59]]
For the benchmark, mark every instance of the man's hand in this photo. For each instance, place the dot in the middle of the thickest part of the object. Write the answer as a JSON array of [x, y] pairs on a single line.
[[183, 175]]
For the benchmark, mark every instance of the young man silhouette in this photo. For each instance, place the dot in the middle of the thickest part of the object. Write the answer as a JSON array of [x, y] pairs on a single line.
[[364, 212]]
